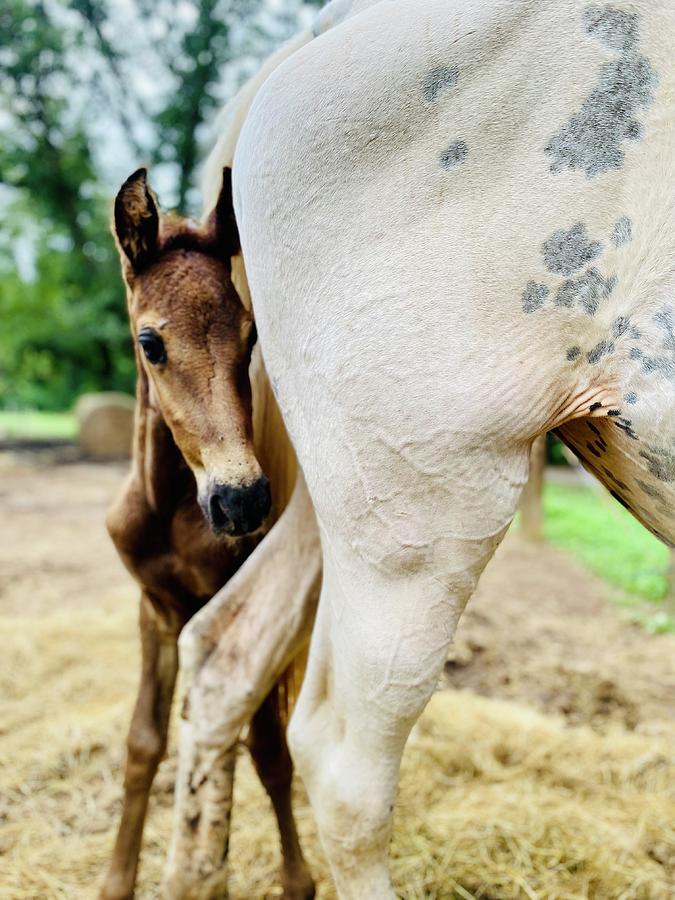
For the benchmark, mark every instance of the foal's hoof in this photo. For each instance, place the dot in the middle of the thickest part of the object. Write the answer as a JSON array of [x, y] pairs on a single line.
[[116, 889], [195, 887], [298, 887]]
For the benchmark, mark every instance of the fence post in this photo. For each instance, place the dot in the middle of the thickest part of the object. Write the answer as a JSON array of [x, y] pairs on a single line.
[[531, 517], [669, 599]]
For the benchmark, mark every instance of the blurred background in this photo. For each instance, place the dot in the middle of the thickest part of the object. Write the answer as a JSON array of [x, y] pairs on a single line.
[[544, 773], [89, 90]]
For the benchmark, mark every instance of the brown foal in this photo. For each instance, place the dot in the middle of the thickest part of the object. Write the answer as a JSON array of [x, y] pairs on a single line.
[[196, 501]]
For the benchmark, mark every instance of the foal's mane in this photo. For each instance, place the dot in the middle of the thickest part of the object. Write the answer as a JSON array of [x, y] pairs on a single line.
[[156, 457]]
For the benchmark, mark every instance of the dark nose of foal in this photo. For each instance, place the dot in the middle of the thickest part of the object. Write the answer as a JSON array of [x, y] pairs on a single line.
[[239, 509]]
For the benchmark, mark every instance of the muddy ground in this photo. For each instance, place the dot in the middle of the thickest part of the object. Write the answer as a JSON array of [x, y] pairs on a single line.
[[540, 635]]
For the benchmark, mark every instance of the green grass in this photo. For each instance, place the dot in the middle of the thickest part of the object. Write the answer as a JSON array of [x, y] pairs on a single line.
[[594, 528], [30, 425]]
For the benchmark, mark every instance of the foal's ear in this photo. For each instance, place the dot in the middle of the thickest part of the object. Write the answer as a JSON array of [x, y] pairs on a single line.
[[221, 221], [136, 220]]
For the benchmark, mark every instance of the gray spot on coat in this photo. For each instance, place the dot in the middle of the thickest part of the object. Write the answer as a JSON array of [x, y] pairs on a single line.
[[663, 363], [625, 425], [652, 365], [622, 231], [648, 489], [661, 462], [591, 140], [587, 290], [534, 296], [567, 251], [573, 353], [631, 397], [603, 348], [635, 131], [616, 29], [612, 477], [454, 155], [620, 326], [438, 80]]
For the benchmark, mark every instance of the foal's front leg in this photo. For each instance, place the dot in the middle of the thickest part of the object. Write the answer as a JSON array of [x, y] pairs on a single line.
[[232, 653], [146, 742]]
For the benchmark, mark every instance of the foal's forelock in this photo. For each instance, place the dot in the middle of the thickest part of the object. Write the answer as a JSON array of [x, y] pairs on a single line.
[[183, 234]]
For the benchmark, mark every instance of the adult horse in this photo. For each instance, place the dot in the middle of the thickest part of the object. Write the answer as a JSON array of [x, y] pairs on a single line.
[[458, 222]]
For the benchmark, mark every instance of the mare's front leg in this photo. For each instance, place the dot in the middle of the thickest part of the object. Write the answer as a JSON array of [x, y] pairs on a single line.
[[232, 653], [267, 743], [146, 742]]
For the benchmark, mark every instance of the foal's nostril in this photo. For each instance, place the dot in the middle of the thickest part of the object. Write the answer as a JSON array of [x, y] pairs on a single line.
[[218, 513], [259, 499], [252, 504], [240, 509]]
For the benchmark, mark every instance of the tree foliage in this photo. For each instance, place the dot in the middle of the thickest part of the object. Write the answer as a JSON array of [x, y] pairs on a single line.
[[87, 94]]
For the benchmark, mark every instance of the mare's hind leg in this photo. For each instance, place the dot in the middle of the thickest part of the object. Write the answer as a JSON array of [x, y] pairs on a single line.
[[378, 647], [267, 743], [146, 743]]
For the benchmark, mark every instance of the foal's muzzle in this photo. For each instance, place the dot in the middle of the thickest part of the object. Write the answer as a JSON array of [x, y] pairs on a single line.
[[238, 509]]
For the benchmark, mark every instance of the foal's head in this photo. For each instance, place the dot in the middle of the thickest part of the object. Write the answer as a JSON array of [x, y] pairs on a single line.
[[193, 344]]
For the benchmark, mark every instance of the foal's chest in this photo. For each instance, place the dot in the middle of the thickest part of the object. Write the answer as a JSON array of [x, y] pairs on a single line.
[[206, 562]]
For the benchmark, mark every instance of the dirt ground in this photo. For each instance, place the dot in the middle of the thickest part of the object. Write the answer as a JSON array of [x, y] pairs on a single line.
[[572, 705]]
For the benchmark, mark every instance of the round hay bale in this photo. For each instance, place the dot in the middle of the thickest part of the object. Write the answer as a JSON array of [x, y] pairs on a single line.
[[106, 424]]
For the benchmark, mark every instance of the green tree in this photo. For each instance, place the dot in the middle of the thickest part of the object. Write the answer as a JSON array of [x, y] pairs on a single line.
[[63, 325], [74, 78]]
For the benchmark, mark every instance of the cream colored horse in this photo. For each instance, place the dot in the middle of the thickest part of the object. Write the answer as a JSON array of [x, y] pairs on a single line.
[[458, 227]]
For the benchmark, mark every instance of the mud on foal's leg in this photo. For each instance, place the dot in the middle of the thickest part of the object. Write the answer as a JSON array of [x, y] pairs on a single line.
[[146, 743], [203, 825], [197, 869], [268, 747]]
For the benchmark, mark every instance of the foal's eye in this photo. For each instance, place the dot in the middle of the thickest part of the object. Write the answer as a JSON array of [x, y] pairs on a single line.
[[152, 345]]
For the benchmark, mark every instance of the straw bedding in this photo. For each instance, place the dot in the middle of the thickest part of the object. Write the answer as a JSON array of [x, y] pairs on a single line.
[[499, 799]]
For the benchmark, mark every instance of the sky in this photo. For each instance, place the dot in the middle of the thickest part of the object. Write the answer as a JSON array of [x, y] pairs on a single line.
[[115, 156], [118, 153]]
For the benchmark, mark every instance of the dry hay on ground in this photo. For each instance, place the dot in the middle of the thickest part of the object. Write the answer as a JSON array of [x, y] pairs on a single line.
[[498, 800]]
